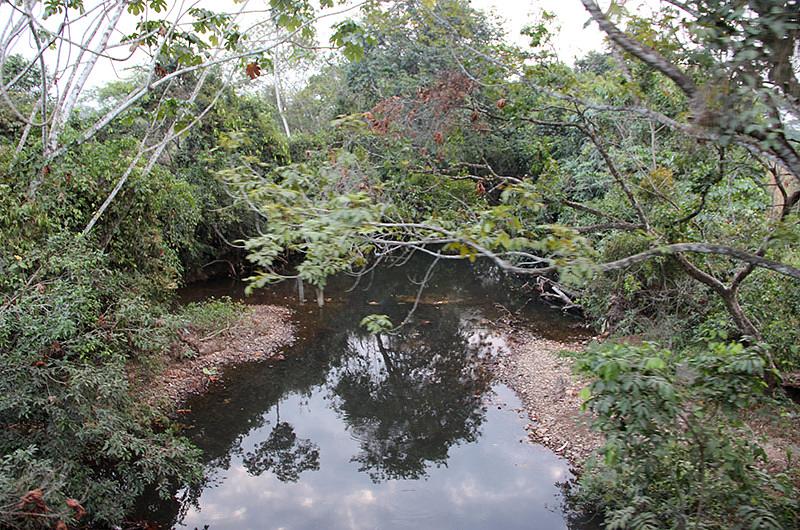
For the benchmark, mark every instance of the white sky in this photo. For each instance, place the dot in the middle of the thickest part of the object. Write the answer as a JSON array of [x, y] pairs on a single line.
[[572, 41]]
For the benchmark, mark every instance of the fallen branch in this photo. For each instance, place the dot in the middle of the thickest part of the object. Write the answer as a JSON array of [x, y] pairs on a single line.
[[557, 292]]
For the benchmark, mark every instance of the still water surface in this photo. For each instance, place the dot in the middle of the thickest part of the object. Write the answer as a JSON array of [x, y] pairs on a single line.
[[354, 431]]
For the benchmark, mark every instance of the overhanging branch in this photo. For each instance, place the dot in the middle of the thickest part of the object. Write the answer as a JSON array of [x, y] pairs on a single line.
[[703, 248], [639, 50]]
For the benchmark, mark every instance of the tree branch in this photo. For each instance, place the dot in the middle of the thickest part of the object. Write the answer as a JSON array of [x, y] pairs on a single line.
[[703, 248], [640, 51]]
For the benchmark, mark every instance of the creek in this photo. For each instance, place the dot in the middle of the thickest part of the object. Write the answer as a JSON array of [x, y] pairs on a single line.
[[354, 431]]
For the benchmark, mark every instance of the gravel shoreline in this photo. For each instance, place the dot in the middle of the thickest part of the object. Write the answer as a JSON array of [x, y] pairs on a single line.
[[545, 384], [259, 335]]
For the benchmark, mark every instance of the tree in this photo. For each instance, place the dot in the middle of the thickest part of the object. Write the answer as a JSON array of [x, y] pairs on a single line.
[[100, 207], [743, 98], [523, 223], [177, 44]]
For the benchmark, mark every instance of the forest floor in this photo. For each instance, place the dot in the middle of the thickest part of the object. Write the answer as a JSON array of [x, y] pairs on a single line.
[[196, 361], [549, 390], [777, 431]]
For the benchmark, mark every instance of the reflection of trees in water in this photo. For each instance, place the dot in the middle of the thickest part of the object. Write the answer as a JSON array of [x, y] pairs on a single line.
[[407, 402], [224, 425], [408, 398], [284, 454]]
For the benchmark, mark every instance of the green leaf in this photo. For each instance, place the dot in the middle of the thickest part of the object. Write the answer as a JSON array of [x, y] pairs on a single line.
[[654, 363], [376, 323]]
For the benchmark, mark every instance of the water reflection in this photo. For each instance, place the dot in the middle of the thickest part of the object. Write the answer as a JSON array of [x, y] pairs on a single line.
[[408, 398], [357, 431], [284, 454]]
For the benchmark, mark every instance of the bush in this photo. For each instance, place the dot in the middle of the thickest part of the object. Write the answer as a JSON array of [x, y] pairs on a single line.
[[676, 454], [775, 304], [209, 315], [68, 425], [145, 230]]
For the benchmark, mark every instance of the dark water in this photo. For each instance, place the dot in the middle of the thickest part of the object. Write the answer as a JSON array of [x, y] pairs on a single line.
[[353, 431]]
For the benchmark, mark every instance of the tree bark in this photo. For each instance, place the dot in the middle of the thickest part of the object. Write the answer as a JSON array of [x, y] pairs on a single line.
[[277, 82], [731, 299]]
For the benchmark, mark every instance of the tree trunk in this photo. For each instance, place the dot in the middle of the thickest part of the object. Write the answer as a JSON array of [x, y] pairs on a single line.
[[730, 297], [743, 323], [748, 329], [277, 82]]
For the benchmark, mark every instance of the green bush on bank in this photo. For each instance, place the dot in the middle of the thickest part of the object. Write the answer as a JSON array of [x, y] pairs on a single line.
[[80, 314], [208, 316], [69, 326], [677, 454]]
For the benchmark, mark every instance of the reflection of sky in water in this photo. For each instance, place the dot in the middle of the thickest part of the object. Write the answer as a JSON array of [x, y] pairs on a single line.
[[349, 432], [496, 482]]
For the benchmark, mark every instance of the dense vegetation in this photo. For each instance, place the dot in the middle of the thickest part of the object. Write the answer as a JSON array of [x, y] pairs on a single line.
[[653, 185]]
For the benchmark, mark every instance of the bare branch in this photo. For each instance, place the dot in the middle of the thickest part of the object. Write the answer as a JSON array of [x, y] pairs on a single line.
[[703, 248]]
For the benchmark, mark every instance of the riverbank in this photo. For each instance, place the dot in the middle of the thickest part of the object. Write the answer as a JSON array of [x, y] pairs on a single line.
[[544, 381], [545, 384], [197, 360]]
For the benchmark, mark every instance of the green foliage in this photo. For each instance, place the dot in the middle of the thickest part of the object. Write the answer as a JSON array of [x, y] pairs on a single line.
[[676, 454], [400, 48], [421, 196], [376, 323], [79, 313], [208, 316], [69, 326], [516, 166], [28, 80], [330, 214], [775, 302], [144, 231], [240, 130], [178, 47], [352, 38], [436, 135], [328, 240], [314, 106]]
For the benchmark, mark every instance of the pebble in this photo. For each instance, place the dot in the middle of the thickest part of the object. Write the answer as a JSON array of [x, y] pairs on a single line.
[[259, 333], [545, 384]]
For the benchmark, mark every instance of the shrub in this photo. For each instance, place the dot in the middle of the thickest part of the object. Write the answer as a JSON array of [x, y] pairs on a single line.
[[676, 454], [68, 425]]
